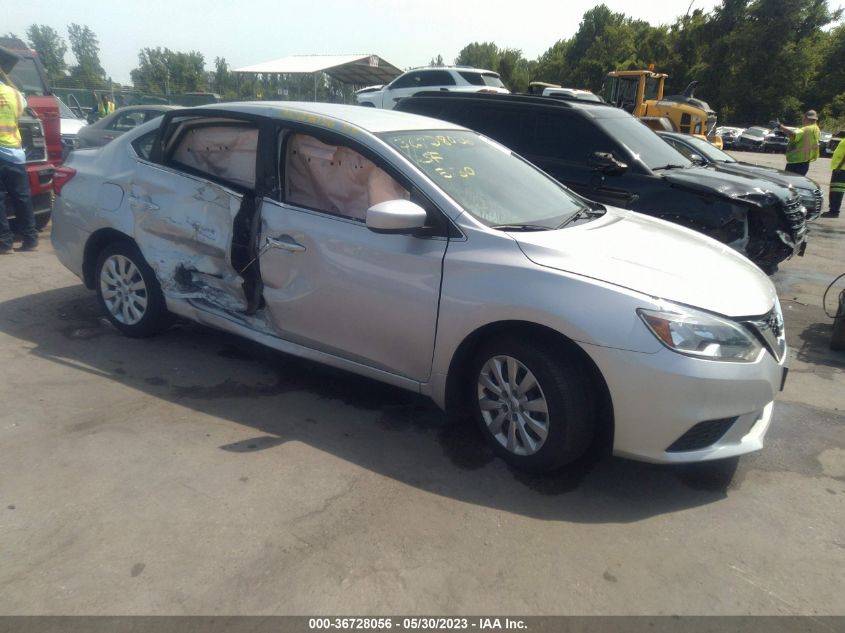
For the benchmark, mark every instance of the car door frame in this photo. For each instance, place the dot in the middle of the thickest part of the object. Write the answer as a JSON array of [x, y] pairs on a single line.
[[243, 227]]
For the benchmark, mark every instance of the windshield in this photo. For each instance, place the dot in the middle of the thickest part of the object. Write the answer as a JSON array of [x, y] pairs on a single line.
[[64, 111], [651, 86], [490, 182], [645, 145], [27, 79], [708, 151]]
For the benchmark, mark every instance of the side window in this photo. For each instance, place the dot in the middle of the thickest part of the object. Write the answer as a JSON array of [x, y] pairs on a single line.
[[681, 147], [425, 107], [436, 78], [474, 79], [334, 179], [126, 122], [222, 151], [149, 115], [409, 80], [567, 138], [507, 126], [143, 145]]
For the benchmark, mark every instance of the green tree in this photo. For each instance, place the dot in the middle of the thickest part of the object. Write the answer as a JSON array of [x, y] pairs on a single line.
[[221, 80], [437, 61], [513, 69], [162, 71], [86, 49], [51, 49], [479, 55]]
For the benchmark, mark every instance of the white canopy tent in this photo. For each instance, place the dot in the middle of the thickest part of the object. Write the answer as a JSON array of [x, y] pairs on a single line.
[[361, 70]]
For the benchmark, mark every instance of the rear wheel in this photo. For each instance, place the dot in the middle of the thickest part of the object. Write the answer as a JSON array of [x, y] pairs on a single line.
[[536, 405], [129, 291]]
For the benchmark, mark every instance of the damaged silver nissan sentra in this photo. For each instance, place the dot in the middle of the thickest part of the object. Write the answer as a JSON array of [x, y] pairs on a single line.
[[426, 256]]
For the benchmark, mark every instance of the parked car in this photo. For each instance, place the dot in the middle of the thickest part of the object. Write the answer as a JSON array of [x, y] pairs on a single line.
[[70, 126], [774, 141], [730, 136], [751, 140], [456, 79], [824, 139], [572, 93], [703, 152], [424, 255], [38, 125], [605, 154], [119, 122], [833, 143]]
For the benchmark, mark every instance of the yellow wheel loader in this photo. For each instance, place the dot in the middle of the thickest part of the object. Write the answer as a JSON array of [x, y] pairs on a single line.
[[640, 92]]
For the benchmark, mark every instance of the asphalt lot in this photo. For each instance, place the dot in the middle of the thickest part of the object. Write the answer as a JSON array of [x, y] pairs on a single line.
[[195, 473]]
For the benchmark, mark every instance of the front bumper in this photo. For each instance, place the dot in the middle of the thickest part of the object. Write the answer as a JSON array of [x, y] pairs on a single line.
[[659, 398]]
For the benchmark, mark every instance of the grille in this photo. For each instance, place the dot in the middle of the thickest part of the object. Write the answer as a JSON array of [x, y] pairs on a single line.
[[702, 435], [32, 138], [796, 223], [770, 331], [818, 198], [812, 201]]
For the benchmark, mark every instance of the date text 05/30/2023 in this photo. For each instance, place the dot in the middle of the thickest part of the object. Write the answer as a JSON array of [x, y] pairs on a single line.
[[416, 624]]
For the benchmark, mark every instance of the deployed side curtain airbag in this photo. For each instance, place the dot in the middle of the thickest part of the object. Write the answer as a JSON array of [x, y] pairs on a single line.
[[335, 179], [227, 152]]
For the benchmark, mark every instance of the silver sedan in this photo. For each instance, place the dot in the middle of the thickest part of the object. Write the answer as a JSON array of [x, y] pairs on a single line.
[[119, 122], [424, 255]]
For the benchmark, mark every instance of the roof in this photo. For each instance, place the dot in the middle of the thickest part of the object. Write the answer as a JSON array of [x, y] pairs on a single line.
[[352, 69], [373, 120], [594, 109]]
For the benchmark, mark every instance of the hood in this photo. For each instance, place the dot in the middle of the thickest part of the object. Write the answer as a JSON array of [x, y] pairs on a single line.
[[71, 127], [367, 89], [656, 258], [771, 174], [728, 185]]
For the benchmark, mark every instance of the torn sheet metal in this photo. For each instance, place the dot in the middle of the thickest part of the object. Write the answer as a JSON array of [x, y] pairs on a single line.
[[184, 228]]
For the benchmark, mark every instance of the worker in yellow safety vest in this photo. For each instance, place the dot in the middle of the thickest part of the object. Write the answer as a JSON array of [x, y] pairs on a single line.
[[803, 145], [14, 181], [105, 107], [837, 181]]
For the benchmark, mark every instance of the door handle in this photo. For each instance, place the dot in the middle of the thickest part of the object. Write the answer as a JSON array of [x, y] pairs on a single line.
[[285, 243]]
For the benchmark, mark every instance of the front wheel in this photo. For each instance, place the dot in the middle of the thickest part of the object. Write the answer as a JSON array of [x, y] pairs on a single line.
[[535, 405], [129, 291]]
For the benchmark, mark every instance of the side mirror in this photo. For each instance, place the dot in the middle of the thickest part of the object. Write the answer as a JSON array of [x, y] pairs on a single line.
[[396, 216], [697, 160], [606, 163]]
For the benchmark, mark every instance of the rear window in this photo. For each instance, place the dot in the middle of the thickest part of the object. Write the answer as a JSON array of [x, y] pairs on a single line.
[[482, 79]]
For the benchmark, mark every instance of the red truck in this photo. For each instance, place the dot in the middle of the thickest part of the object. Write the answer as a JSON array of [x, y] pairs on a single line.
[[40, 125]]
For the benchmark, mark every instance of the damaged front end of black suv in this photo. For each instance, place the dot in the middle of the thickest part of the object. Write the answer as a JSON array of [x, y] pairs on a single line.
[[766, 225]]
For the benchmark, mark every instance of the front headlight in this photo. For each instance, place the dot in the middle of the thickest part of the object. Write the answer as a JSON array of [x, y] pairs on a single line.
[[701, 335]]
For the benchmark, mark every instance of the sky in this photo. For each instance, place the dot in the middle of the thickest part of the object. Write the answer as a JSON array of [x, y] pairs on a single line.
[[248, 32]]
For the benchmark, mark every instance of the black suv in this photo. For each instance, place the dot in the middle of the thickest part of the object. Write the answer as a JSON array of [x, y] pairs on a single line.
[[606, 155]]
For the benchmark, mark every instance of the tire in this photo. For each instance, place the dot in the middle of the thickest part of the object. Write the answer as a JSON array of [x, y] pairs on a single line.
[[129, 291], [536, 425]]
